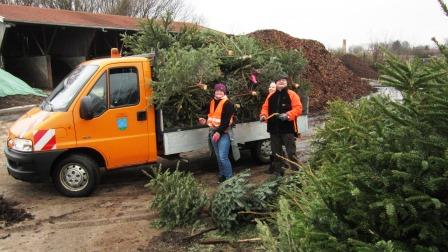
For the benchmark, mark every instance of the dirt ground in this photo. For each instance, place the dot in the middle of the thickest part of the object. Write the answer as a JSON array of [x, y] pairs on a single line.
[[116, 217]]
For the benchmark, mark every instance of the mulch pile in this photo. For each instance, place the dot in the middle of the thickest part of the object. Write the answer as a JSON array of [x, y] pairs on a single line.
[[358, 66], [329, 78], [9, 214], [19, 100]]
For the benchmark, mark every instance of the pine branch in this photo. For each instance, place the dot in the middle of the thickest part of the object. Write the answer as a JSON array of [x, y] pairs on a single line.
[[443, 6], [223, 241], [441, 47], [254, 213]]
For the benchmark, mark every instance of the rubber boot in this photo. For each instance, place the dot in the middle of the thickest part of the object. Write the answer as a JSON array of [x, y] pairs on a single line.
[[294, 159], [277, 166], [271, 165]]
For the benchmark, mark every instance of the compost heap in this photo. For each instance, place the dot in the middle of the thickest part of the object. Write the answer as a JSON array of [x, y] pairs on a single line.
[[358, 66], [329, 78]]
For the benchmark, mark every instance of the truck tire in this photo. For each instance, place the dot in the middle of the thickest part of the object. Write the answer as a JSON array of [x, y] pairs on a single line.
[[261, 151], [76, 175]]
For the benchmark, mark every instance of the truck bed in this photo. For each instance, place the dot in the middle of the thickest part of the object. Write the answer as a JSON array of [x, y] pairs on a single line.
[[194, 139]]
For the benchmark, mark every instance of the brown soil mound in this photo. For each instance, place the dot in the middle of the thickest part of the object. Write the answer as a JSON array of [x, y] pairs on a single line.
[[329, 78], [358, 67], [11, 215]]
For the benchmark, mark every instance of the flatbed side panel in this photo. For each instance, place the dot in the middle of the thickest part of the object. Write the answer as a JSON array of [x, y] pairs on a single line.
[[195, 139], [255, 131], [185, 140], [251, 131]]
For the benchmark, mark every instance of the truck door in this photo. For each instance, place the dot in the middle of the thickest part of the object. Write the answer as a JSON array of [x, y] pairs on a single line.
[[119, 129]]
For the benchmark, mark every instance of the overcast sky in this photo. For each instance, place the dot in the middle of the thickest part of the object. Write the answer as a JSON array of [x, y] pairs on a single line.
[[330, 21]]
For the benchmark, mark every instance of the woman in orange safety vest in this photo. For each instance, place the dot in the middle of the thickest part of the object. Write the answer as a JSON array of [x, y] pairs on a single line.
[[220, 119]]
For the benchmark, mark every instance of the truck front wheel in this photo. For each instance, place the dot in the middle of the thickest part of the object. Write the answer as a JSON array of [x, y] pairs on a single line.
[[261, 151], [76, 175]]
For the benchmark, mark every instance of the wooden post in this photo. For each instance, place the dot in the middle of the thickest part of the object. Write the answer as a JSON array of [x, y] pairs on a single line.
[[344, 46]]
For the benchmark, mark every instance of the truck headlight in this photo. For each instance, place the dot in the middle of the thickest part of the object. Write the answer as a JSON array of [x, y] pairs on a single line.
[[20, 144]]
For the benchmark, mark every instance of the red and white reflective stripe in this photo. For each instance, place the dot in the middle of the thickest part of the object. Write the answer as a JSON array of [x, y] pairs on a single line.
[[45, 140]]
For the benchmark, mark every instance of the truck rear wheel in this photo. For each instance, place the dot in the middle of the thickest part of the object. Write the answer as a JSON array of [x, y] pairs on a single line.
[[76, 175], [261, 151]]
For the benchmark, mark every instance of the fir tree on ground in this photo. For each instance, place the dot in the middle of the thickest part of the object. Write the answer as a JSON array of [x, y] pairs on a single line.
[[378, 179]]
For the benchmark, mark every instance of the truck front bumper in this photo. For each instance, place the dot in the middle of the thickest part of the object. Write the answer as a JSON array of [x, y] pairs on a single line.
[[30, 166]]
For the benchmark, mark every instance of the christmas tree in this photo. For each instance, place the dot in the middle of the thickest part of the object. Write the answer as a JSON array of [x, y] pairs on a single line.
[[188, 64]]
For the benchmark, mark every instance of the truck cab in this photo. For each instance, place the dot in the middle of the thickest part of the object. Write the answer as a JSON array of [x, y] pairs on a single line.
[[98, 116]]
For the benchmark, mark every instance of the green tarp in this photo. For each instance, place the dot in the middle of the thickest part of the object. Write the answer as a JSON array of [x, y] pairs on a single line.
[[11, 85]]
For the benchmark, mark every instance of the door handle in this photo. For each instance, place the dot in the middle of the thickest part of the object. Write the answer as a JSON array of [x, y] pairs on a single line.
[[141, 115]]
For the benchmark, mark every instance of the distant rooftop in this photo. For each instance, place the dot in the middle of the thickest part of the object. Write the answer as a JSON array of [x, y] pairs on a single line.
[[46, 16]]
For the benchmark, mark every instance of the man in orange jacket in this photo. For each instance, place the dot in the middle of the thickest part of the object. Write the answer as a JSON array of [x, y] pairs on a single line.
[[281, 110]]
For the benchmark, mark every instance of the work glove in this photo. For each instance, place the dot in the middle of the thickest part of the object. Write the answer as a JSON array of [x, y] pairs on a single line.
[[283, 117], [216, 137], [262, 118]]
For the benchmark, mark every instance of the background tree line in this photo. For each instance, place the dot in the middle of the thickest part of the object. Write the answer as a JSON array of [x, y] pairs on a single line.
[[397, 47]]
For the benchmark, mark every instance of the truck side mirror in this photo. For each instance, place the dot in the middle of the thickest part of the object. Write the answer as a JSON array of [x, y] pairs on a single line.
[[86, 108]]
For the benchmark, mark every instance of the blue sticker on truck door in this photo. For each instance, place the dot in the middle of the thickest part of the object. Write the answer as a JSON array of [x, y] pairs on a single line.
[[122, 123]]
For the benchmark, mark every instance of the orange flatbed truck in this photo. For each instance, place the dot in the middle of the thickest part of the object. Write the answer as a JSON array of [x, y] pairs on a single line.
[[100, 116]]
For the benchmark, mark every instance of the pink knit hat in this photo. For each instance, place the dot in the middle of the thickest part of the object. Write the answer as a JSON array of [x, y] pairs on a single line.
[[220, 87]]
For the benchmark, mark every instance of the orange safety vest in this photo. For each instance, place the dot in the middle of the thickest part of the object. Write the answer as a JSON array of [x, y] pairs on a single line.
[[215, 112]]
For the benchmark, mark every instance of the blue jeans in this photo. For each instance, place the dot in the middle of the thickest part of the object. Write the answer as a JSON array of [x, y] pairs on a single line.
[[221, 149]]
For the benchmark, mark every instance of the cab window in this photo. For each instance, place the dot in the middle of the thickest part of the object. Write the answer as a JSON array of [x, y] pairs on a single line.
[[98, 95], [124, 88]]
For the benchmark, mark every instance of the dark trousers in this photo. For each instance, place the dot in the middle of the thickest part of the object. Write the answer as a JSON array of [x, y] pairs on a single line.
[[277, 143]]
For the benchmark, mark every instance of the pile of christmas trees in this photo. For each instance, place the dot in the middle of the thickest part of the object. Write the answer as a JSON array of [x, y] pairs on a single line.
[[188, 64]]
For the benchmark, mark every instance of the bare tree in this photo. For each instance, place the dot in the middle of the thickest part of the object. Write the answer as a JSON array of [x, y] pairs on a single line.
[[357, 49], [19, 2]]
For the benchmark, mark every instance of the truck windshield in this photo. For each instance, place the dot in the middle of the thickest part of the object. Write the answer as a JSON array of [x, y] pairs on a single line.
[[63, 95]]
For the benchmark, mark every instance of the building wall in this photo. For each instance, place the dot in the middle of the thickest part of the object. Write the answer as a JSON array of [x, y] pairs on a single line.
[[35, 70]]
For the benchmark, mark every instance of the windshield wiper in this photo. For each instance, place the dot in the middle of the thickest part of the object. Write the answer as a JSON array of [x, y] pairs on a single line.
[[51, 106]]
